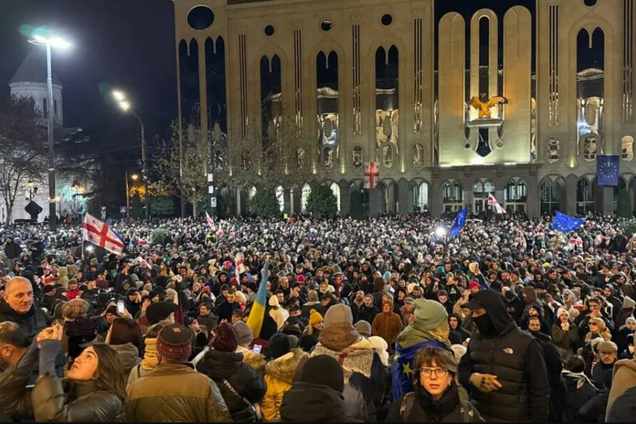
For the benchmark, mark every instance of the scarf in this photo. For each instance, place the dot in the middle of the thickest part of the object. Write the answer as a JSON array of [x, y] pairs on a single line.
[[150, 360], [414, 334]]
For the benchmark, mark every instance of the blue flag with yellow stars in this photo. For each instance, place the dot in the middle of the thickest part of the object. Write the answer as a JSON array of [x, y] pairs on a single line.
[[458, 224], [403, 369], [566, 223], [607, 170]]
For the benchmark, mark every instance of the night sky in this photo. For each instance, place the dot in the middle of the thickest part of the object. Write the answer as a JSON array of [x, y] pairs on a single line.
[[124, 43]]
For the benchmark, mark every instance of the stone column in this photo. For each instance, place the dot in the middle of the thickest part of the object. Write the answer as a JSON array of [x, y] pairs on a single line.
[[604, 201], [435, 199], [406, 197], [377, 202], [287, 199], [533, 202], [239, 210], [570, 195], [468, 198], [345, 197]]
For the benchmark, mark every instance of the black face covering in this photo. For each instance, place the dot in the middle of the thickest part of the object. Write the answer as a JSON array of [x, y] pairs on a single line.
[[486, 326]]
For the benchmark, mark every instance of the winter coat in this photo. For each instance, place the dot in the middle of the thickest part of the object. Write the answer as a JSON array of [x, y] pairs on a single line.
[[279, 375], [623, 409], [387, 326], [210, 321], [625, 312], [516, 358], [578, 390], [177, 393], [367, 314], [305, 402], [621, 338], [420, 407], [254, 360], [364, 374], [33, 321], [460, 330], [624, 377], [12, 250], [129, 356], [56, 400], [228, 368], [566, 341], [14, 402]]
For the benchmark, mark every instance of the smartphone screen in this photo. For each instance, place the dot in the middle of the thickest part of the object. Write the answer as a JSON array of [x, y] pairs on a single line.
[[120, 307], [257, 348]]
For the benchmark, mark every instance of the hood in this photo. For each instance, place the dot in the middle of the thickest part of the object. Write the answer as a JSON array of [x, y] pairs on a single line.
[[531, 295], [253, 360], [128, 353], [283, 368], [628, 303], [611, 287], [459, 321], [495, 305], [321, 403], [575, 381], [629, 363], [219, 365]]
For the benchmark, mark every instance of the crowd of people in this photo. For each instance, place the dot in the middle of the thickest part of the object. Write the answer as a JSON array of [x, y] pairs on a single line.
[[385, 319]]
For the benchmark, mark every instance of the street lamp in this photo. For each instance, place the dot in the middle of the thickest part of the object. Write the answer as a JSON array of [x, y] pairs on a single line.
[[126, 106], [134, 177], [30, 185], [50, 42]]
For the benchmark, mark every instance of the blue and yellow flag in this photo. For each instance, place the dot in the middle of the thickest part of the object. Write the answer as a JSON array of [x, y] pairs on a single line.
[[566, 223], [403, 368], [257, 315], [458, 224]]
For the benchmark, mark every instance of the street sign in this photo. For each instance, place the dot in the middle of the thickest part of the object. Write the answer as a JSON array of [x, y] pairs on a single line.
[[122, 210], [213, 202], [210, 178], [210, 189]]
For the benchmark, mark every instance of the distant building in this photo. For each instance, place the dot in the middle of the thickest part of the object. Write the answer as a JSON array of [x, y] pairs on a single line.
[[399, 82], [30, 81]]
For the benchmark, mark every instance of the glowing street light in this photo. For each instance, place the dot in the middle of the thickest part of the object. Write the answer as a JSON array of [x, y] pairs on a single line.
[[124, 105], [440, 232], [50, 42]]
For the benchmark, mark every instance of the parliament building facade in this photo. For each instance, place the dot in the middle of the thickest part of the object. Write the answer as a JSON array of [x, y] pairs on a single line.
[[455, 99]]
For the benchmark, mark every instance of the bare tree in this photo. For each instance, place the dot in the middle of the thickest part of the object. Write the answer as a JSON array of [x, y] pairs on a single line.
[[22, 148]]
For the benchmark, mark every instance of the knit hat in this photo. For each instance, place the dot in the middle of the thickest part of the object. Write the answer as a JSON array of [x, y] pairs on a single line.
[[48, 288], [337, 314], [630, 320], [159, 311], [606, 346], [473, 284], [429, 314], [279, 345], [628, 303], [323, 370], [175, 342], [244, 334], [226, 339], [315, 317], [364, 328], [458, 351], [75, 308]]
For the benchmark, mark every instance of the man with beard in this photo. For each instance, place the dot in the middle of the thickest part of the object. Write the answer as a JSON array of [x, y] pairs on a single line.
[[514, 305], [356, 304], [504, 364], [368, 311]]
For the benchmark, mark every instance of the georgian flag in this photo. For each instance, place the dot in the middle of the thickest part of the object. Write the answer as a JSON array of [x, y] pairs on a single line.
[[238, 264], [495, 205], [100, 234], [210, 221]]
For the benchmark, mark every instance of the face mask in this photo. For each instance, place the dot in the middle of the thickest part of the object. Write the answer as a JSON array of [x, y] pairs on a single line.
[[485, 325]]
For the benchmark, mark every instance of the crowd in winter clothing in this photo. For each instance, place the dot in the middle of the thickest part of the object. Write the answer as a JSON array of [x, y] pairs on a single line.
[[385, 319]]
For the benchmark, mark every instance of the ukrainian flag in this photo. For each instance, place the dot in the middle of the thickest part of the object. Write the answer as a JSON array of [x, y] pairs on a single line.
[[257, 315]]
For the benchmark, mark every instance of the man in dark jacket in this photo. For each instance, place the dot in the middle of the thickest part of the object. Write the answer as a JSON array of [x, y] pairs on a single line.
[[18, 361], [504, 364], [17, 306], [11, 249], [609, 293], [368, 311]]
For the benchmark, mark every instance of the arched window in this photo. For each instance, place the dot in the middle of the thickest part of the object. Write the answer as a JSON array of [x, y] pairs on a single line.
[[335, 189], [515, 196], [452, 196], [420, 197], [584, 197], [550, 192], [481, 189], [304, 196], [280, 196]]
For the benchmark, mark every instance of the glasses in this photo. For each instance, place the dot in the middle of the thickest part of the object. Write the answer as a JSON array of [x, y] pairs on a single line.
[[438, 372]]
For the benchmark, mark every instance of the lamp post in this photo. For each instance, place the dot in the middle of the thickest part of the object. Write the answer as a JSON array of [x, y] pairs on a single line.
[[49, 43], [30, 185], [134, 178], [126, 106]]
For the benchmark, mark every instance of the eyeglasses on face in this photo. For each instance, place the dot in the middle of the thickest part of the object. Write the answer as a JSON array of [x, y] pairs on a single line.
[[438, 372]]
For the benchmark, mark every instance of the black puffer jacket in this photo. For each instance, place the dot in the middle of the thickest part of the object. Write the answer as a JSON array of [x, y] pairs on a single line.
[[516, 358], [229, 366], [578, 391], [56, 400], [33, 321], [306, 402]]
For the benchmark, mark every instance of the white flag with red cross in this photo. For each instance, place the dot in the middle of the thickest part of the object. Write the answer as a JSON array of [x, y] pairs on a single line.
[[238, 264], [100, 234], [371, 174], [495, 205], [210, 221]]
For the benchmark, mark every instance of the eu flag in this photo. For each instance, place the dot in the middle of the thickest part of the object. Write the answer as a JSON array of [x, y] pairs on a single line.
[[458, 224], [566, 223], [607, 169], [403, 369]]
